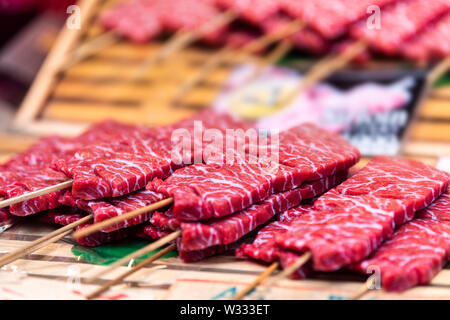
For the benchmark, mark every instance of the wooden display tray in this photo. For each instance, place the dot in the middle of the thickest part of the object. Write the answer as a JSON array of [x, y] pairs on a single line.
[[54, 272]]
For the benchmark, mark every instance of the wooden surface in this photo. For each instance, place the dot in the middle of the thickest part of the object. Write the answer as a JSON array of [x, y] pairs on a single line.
[[54, 272]]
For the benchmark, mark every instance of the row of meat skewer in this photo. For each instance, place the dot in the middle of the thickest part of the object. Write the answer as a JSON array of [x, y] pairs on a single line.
[[382, 215], [344, 31], [415, 29]]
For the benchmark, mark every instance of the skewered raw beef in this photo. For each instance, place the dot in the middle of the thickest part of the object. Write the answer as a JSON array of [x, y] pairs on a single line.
[[330, 18], [198, 239], [439, 210], [317, 152], [126, 165], [430, 43], [66, 215], [30, 170], [344, 228], [416, 252], [352, 220], [226, 230], [117, 168], [142, 20], [400, 22], [388, 177], [110, 208], [204, 191]]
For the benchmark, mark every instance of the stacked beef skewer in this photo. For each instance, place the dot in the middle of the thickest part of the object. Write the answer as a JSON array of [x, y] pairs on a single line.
[[401, 27], [350, 222]]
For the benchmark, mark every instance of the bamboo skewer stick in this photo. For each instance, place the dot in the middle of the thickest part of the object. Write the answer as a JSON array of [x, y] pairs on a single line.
[[257, 281], [326, 67], [228, 53], [276, 54], [181, 40], [178, 42], [439, 70], [129, 215], [272, 37], [127, 273], [280, 51], [34, 194], [49, 238], [366, 287], [304, 258], [139, 253], [89, 49]]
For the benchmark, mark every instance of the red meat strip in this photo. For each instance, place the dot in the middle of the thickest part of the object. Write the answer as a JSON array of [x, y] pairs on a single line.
[[137, 20], [417, 251], [351, 221], [65, 215], [194, 256], [317, 152], [204, 191], [429, 44], [117, 168], [400, 22], [110, 208], [396, 178], [330, 18], [413, 256], [439, 210], [152, 232], [198, 236]]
